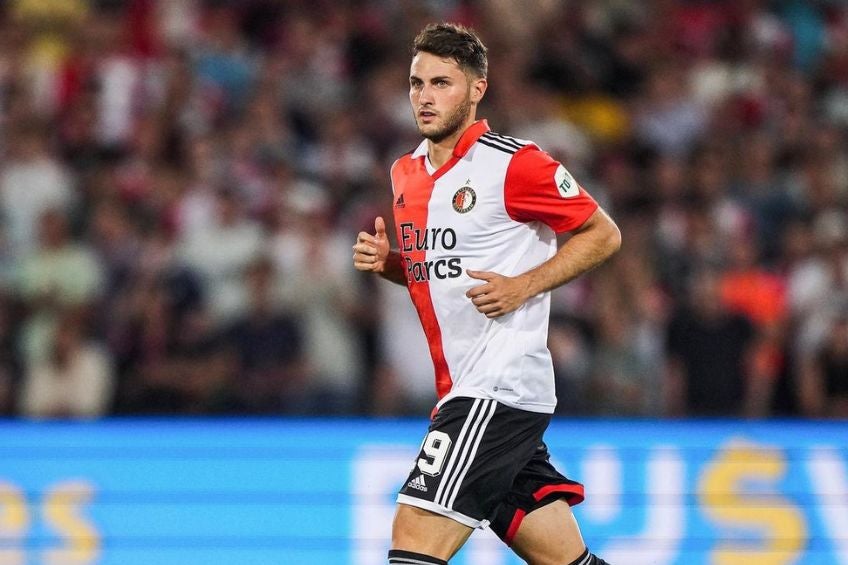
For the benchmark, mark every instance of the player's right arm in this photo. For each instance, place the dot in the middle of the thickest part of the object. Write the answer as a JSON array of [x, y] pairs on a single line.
[[372, 253]]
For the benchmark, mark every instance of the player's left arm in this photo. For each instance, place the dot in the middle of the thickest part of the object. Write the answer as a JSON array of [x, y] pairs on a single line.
[[590, 245], [538, 188]]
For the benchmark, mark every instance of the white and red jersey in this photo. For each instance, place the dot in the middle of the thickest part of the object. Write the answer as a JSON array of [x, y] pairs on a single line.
[[496, 206]]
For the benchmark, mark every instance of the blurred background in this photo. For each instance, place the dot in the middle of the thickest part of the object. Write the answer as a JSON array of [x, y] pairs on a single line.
[[181, 182]]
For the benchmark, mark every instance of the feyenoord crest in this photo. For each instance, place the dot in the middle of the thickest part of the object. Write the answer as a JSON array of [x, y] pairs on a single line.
[[464, 199]]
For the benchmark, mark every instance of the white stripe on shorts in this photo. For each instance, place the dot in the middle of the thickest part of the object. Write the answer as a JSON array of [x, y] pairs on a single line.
[[479, 437], [456, 449], [463, 455]]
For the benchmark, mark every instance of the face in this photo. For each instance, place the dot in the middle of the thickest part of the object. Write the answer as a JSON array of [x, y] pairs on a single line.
[[443, 97]]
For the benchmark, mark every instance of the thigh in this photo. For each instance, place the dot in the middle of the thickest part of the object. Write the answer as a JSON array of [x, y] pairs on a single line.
[[549, 536], [422, 531], [470, 458]]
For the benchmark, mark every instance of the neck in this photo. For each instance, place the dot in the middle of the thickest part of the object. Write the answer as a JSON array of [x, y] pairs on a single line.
[[440, 153]]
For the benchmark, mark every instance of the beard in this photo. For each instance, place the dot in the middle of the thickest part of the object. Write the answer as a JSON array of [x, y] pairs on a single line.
[[453, 122]]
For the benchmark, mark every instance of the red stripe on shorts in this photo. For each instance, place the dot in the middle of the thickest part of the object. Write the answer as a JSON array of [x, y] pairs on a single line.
[[575, 494], [513, 526]]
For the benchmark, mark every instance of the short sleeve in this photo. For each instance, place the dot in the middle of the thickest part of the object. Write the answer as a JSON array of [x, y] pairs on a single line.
[[539, 188]]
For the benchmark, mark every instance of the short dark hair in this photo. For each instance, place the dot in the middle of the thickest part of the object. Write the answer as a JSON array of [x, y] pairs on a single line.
[[456, 42]]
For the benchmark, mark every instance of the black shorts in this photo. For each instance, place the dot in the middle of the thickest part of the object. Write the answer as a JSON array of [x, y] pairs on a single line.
[[483, 463]]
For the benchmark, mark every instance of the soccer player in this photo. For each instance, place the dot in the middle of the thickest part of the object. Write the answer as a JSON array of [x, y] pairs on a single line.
[[476, 215]]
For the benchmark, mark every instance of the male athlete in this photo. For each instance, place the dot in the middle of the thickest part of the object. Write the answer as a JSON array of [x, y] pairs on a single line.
[[476, 216]]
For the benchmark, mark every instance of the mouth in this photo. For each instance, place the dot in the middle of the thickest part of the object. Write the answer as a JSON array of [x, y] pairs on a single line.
[[426, 115]]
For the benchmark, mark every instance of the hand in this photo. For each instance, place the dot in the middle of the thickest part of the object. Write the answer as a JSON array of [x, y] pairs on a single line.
[[499, 295], [371, 251]]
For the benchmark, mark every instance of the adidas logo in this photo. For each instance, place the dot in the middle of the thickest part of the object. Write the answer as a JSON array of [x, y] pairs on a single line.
[[418, 483], [400, 203]]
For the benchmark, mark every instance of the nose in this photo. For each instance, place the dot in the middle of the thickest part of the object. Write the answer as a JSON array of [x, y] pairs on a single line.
[[425, 95]]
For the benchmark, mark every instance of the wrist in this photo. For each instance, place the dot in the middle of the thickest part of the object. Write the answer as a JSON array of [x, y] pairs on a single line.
[[392, 260], [392, 263], [527, 284], [392, 268]]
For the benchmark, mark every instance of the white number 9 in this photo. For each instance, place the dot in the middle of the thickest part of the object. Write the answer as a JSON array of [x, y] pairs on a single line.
[[436, 447]]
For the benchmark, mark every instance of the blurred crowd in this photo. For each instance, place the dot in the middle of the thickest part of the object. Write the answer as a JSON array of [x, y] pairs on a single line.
[[181, 182]]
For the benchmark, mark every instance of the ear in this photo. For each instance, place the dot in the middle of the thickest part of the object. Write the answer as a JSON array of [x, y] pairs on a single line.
[[478, 88]]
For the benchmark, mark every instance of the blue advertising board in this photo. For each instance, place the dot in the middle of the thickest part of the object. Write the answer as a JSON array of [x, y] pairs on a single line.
[[184, 492]]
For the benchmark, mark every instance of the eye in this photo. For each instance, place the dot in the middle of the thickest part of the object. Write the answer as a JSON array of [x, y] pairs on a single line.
[[442, 83]]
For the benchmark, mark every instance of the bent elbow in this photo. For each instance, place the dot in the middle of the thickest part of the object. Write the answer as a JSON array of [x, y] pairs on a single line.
[[611, 238], [613, 243]]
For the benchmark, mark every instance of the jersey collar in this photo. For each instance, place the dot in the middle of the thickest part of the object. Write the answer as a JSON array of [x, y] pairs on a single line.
[[469, 137]]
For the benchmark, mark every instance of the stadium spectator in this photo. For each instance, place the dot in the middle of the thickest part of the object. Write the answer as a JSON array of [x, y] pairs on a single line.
[[116, 241], [187, 370], [818, 286], [319, 287], [220, 250], [74, 379], [760, 190], [60, 275], [629, 328], [709, 355], [667, 119], [748, 289], [144, 324], [223, 64], [267, 342], [32, 182], [824, 374]]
